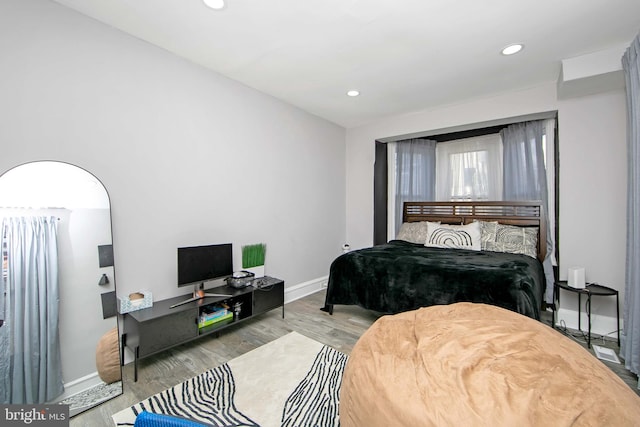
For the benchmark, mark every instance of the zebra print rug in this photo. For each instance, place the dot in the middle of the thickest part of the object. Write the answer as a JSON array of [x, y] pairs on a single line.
[[292, 381]]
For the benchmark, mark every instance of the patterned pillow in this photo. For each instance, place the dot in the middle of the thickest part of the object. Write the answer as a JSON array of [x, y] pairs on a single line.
[[454, 236], [515, 240], [488, 231], [414, 232]]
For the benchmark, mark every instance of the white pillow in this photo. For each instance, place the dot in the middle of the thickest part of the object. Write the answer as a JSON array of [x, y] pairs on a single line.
[[454, 236]]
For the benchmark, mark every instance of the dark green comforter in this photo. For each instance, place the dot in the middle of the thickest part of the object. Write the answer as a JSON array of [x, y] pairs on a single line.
[[400, 276]]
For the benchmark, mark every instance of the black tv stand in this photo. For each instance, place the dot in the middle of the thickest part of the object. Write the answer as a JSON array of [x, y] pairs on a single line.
[[198, 294], [158, 328]]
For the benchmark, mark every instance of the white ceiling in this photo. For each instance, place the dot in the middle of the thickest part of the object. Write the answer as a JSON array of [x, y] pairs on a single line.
[[402, 55]]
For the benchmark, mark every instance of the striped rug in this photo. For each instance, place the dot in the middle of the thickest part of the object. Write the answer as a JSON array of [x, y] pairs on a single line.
[[292, 381]]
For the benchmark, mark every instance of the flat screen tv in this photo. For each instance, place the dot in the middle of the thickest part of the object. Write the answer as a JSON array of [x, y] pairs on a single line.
[[198, 264]]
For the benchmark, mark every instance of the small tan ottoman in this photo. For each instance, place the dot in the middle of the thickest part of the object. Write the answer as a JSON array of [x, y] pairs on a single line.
[[108, 357]]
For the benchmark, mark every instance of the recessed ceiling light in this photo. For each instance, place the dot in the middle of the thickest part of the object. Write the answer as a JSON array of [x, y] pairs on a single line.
[[215, 4], [512, 48], [353, 93]]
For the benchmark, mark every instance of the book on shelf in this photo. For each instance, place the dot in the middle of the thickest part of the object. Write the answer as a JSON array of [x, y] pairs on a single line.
[[214, 311], [204, 322], [213, 315]]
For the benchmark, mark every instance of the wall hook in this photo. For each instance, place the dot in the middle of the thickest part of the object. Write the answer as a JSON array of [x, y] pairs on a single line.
[[104, 280]]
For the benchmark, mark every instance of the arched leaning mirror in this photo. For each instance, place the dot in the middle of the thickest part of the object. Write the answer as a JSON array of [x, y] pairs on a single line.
[[57, 298]]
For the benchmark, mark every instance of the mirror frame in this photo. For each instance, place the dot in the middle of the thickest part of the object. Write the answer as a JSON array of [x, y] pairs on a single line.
[[77, 392]]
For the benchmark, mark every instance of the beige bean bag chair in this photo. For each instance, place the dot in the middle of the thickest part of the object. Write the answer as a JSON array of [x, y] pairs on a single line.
[[478, 365]]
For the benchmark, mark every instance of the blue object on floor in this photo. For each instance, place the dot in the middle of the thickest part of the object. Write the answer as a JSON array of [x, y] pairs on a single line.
[[149, 419]]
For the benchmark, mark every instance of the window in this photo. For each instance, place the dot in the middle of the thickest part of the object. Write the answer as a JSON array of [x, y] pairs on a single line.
[[469, 169], [469, 175]]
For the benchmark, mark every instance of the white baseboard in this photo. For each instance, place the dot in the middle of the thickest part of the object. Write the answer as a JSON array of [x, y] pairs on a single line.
[[301, 290], [79, 385], [600, 324]]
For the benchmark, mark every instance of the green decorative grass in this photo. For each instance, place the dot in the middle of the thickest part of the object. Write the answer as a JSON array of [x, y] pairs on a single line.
[[253, 255]]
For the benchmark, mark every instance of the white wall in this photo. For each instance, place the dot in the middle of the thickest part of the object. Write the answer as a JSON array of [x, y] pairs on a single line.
[[187, 156], [593, 199], [592, 141]]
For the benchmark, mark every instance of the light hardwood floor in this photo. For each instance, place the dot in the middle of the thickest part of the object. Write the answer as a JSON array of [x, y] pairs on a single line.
[[157, 373]]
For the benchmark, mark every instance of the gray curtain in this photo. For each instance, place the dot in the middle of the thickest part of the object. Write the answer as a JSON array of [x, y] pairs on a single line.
[[30, 368], [415, 173], [630, 337], [525, 177]]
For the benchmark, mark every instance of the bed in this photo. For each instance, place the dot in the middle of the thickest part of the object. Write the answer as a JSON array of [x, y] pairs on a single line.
[[403, 275], [469, 364]]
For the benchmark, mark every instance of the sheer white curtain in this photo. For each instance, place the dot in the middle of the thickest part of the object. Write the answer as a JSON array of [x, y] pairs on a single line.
[[469, 169], [415, 165]]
